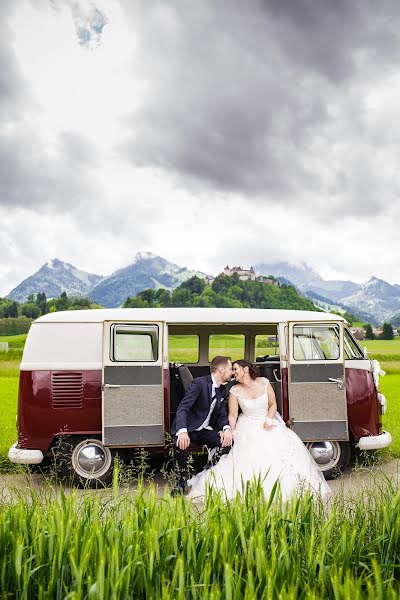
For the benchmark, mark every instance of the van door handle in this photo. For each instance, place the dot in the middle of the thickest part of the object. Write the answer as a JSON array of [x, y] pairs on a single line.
[[110, 385], [339, 381], [275, 372]]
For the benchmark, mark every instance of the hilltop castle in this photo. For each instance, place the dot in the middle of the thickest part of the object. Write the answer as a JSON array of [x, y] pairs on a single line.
[[244, 275]]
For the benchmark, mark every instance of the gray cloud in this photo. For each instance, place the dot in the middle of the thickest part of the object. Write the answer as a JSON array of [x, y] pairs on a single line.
[[31, 176], [13, 89], [259, 97]]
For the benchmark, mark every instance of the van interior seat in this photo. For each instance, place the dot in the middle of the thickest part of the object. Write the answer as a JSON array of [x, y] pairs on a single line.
[[185, 375]]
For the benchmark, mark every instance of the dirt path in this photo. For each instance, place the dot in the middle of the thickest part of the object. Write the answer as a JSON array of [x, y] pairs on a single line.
[[352, 481]]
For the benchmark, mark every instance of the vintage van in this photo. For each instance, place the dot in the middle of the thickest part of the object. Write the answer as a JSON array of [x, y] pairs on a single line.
[[94, 382]]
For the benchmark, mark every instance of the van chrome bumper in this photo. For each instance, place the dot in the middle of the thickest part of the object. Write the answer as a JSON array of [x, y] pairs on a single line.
[[24, 456], [374, 442]]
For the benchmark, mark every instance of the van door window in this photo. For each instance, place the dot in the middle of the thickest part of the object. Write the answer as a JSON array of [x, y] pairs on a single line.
[[318, 342], [351, 348], [183, 348], [226, 345], [134, 343]]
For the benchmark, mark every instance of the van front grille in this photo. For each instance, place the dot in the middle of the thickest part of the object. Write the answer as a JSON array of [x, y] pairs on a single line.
[[66, 389]]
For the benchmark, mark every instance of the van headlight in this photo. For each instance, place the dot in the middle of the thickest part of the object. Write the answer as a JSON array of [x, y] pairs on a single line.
[[382, 402]]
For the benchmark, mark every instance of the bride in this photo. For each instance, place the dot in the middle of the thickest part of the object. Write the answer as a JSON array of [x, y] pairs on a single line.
[[264, 448]]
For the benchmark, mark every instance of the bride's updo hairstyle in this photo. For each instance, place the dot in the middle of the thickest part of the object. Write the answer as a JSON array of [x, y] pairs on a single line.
[[254, 371]]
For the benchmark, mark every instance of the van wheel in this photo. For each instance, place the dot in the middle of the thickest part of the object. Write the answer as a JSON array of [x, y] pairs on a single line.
[[331, 457], [85, 462]]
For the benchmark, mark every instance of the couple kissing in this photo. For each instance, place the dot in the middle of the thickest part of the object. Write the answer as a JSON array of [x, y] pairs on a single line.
[[255, 445]]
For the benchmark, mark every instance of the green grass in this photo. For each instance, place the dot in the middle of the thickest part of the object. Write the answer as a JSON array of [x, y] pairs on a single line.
[[387, 352], [14, 339], [8, 407], [142, 546], [9, 380], [185, 348], [382, 347]]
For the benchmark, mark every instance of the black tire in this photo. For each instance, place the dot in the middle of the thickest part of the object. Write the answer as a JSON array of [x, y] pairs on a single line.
[[331, 457], [85, 462]]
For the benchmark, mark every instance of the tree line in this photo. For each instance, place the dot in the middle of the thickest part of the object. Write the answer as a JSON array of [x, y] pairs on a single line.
[[387, 332], [226, 292], [16, 317]]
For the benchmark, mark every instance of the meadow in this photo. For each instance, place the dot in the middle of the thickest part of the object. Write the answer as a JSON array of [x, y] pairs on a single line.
[[122, 545]]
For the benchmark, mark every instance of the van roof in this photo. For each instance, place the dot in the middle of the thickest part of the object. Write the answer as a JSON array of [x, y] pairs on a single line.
[[187, 315]]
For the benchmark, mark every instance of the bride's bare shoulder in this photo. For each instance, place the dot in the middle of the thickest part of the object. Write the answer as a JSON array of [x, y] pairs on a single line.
[[235, 390]]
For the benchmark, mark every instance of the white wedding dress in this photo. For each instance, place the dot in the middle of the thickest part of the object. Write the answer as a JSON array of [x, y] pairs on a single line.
[[268, 455]]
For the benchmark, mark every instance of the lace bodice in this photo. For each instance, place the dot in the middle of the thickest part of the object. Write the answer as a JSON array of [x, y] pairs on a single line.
[[255, 408]]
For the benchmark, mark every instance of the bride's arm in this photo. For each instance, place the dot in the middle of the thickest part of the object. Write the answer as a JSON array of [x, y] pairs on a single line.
[[233, 411], [271, 401], [269, 424]]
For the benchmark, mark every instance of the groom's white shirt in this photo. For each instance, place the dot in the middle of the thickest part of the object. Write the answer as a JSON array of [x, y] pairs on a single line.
[[206, 422]]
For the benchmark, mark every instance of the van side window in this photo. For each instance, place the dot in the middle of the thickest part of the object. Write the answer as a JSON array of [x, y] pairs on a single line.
[[226, 344], [183, 348], [266, 345], [134, 343], [351, 348], [317, 342]]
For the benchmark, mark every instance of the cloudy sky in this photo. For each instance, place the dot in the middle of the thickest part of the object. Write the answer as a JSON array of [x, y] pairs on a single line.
[[206, 132]]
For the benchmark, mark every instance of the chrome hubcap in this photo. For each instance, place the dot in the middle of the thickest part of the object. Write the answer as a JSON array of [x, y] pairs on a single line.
[[325, 454], [91, 458]]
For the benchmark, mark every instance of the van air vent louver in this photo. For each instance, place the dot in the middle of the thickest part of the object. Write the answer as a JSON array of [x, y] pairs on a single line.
[[66, 389]]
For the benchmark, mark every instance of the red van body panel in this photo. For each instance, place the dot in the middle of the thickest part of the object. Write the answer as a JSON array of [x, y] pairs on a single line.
[[363, 408], [41, 419]]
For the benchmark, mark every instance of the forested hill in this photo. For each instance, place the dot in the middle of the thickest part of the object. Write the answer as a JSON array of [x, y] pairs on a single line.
[[228, 292]]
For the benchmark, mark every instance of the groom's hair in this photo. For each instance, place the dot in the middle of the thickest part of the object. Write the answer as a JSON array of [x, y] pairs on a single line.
[[218, 361]]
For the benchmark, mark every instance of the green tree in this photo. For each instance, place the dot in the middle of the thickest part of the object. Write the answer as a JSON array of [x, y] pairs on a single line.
[[41, 301], [369, 334], [387, 332], [61, 303], [11, 310], [163, 297], [195, 285], [181, 297], [30, 310]]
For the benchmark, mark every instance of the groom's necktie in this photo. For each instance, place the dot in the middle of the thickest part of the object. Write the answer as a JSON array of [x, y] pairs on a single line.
[[206, 422]]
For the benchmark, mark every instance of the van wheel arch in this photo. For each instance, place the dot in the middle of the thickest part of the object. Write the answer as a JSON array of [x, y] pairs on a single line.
[[85, 461], [332, 457]]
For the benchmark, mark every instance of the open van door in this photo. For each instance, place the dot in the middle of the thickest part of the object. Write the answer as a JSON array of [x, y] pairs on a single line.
[[316, 381], [133, 396]]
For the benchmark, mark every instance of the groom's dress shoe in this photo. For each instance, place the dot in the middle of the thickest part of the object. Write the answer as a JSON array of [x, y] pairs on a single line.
[[180, 488]]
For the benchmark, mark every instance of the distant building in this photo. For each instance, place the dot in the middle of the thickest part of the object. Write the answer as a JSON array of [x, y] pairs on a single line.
[[208, 279], [243, 274], [358, 333], [267, 280]]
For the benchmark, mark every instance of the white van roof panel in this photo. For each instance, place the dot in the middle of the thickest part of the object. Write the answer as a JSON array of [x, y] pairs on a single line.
[[188, 315]]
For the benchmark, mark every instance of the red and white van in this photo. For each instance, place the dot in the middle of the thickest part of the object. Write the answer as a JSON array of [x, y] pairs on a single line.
[[109, 379]]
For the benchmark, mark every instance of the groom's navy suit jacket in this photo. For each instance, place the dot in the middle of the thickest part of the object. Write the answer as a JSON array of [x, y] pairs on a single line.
[[195, 406]]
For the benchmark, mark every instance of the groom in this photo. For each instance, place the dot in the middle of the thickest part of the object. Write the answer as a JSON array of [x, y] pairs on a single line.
[[202, 415]]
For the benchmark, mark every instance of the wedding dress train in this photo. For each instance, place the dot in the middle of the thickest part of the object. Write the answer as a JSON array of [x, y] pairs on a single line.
[[268, 455]]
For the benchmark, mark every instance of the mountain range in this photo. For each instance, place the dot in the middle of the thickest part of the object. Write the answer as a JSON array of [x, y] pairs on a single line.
[[374, 301], [146, 271]]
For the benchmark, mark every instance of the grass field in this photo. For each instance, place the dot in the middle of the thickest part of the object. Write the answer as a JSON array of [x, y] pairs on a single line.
[[123, 545], [184, 349]]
